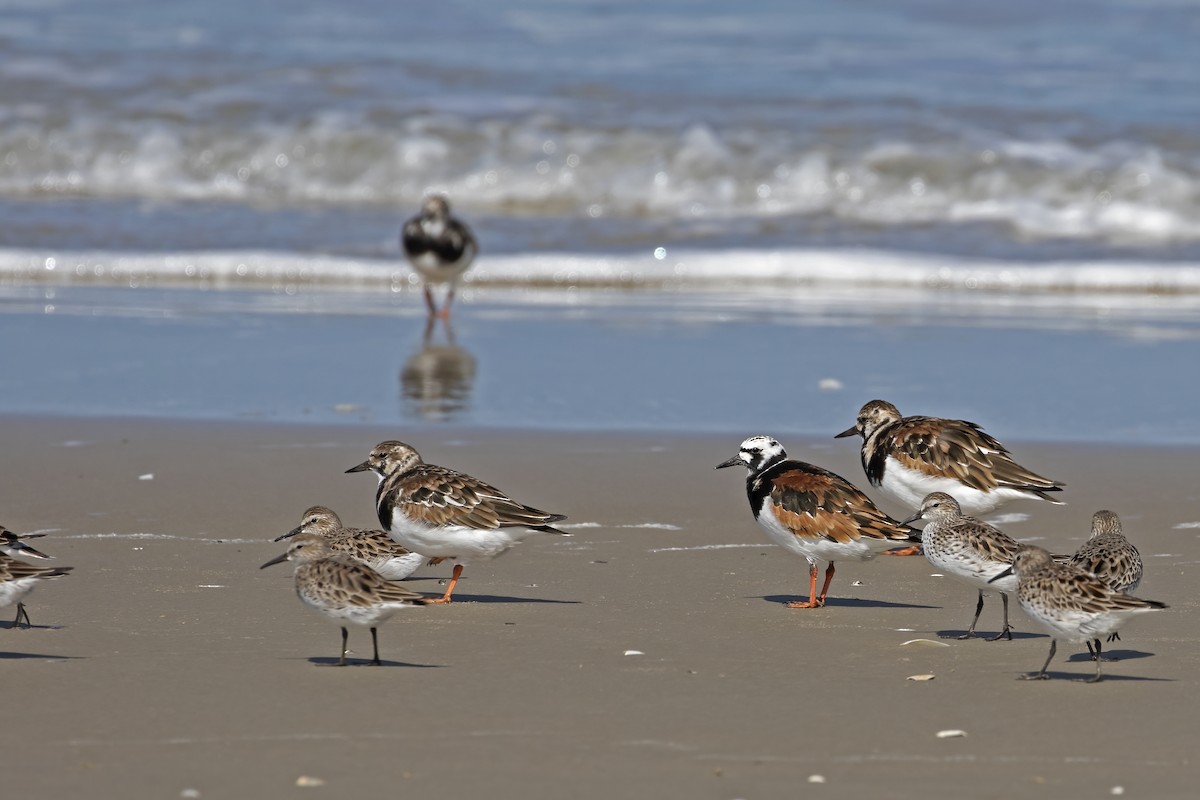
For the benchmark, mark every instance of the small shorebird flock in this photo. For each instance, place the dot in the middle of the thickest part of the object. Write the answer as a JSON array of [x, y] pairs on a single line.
[[942, 469], [938, 467]]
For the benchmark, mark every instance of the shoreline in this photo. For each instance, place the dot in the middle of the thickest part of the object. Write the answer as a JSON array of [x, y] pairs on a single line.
[[168, 665]]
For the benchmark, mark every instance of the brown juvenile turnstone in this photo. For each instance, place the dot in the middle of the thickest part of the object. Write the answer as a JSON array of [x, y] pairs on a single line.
[[909, 457], [440, 513]]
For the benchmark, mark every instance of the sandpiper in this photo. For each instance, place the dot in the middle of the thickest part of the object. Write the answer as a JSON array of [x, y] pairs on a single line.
[[1069, 602], [343, 590]]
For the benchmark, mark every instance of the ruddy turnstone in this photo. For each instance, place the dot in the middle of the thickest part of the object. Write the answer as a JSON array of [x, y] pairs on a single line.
[[440, 513], [342, 589], [17, 580], [1069, 602], [440, 247], [1109, 556], [965, 548], [812, 512], [909, 457], [375, 548]]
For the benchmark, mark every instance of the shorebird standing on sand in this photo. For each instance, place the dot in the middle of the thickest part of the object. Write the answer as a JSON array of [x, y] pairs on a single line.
[[373, 548], [17, 579], [12, 544], [1070, 603], [1109, 556], [968, 549], [440, 247], [909, 457], [344, 590], [813, 512], [440, 513]]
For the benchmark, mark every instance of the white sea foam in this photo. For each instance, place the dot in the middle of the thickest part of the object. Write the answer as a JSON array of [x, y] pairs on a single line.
[[743, 269]]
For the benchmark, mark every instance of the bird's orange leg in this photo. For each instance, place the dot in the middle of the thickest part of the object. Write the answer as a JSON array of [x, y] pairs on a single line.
[[450, 589], [429, 304], [445, 312], [813, 602], [911, 550], [828, 580]]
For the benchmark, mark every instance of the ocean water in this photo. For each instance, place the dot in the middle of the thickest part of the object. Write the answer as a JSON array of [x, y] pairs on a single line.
[[190, 190]]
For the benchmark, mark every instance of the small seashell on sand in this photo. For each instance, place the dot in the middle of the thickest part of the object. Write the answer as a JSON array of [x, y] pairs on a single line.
[[309, 781], [954, 734], [149, 476], [858, 583], [634, 653], [928, 676], [925, 643], [816, 778]]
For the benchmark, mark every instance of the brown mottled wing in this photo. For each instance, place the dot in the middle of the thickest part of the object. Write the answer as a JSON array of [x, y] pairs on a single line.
[[819, 504], [12, 569], [960, 450], [366, 544], [344, 582], [441, 496], [1112, 559], [1070, 587], [991, 542]]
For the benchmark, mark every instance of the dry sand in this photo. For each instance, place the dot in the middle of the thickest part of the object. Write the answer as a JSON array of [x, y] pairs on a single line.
[[171, 666]]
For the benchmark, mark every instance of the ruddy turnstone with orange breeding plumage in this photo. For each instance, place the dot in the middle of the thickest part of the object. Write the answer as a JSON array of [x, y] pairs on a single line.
[[344, 590], [1111, 557], [813, 512], [909, 457], [373, 548], [1069, 602], [440, 513], [440, 247], [968, 549]]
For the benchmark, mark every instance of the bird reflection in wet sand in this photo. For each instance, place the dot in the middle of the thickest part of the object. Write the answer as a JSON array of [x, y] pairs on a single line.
[[437, 379]]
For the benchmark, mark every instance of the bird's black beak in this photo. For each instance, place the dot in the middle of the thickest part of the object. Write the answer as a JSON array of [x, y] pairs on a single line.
[[733, 462], [287, 535], [363, 467], [908, 521], [851, 431], [1000, 575], [277, 560]]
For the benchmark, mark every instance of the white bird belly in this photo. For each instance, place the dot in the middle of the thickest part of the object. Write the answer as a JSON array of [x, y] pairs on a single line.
[[465, 544], [812, 548], [910, 486]]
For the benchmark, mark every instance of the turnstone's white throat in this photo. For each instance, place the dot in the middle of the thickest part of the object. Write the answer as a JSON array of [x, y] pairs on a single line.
[[343, 590], [1069, 602], [968, 549], [440, 247], [440, 513], [910, 457], [1109, 556], [373, 548], [813, 512], [18, 578]]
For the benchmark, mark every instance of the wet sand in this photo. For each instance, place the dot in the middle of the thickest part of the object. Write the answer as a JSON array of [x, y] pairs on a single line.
[[169, 665]]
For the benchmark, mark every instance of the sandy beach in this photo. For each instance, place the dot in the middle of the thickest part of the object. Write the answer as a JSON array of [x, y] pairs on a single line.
[[649, 655]]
